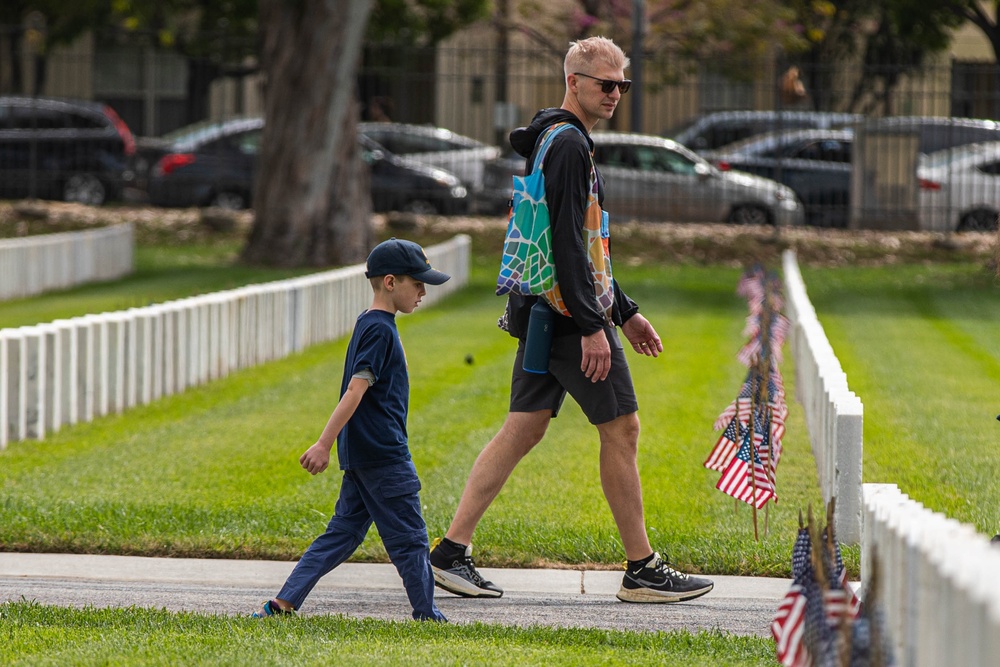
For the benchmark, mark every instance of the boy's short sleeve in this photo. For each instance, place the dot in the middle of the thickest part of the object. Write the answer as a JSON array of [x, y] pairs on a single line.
[[366, 375], [371, 354]]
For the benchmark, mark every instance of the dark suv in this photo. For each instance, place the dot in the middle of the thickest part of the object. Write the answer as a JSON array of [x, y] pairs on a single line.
[[74, 150]]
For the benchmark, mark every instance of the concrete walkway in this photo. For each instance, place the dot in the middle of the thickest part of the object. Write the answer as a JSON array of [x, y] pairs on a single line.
[[564, 598]]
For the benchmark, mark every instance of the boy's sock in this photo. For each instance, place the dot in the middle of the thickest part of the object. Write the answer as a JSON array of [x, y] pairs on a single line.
[[272, 608]]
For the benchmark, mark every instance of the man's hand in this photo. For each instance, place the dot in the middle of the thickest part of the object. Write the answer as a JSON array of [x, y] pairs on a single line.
[[316, 459], [643, 337], [596, 362]]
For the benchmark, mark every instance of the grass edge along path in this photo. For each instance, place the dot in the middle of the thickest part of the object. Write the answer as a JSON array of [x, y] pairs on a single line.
[[40, 635]]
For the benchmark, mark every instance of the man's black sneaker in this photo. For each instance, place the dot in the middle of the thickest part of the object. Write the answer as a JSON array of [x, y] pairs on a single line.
[[656, 581], [455, 572]]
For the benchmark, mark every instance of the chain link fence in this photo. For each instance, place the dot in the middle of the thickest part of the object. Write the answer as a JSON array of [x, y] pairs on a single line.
[[864, 168]]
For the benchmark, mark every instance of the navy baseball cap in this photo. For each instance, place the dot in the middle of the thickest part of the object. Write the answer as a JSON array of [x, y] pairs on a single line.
[[399, 257]]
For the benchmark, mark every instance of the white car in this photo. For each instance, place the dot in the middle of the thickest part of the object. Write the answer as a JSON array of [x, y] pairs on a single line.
[[960, 188], [653, 178], [435, 146]]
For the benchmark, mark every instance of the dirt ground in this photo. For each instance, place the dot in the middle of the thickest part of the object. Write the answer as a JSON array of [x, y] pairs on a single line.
[[634, 243]]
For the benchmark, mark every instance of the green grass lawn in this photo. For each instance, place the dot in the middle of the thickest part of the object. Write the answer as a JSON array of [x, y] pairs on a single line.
[[921, 347], [37, 635], [214, 471]]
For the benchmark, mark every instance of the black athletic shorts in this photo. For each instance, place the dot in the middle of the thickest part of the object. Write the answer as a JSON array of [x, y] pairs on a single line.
[[601, 401]]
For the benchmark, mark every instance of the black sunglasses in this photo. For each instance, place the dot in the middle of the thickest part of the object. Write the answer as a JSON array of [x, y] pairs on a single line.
[[607, 85]]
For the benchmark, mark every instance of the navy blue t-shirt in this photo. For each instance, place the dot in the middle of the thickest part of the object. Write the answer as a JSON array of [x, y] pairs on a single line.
[[376, 433]]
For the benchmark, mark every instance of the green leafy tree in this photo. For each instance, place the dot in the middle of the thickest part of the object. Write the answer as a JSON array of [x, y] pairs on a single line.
[[975, 11], [217, 38], [890, 39], [680, 36], [41, 25]]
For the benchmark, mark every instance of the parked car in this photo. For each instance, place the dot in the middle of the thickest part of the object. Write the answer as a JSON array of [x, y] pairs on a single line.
[[210, 163], [654, 178], [494, 197], [715, 130], [960, 188], [214, 163], [52, 148], [400, 185], [815, 164], [936, 133], [434, 146]]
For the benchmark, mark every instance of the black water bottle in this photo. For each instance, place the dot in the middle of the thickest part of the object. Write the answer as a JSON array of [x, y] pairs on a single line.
[[541, 322]]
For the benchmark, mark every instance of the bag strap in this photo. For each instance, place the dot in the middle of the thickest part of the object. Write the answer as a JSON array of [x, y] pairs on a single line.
[[545, 142]]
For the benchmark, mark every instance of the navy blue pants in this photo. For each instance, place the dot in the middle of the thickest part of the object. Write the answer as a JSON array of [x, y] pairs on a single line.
[[388, 496]]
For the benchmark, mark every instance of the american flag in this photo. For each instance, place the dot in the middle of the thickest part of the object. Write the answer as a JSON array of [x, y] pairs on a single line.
[[739, 408], [764, 446], [841, 600], [777, 432], [751, 284], [752, 327], [788, 623], [786, 628], [746, 481], [818, 634], [803, 637], [726, 447], [749, 352], [777, 331], [805, 627], [780, 327], [776, 384]]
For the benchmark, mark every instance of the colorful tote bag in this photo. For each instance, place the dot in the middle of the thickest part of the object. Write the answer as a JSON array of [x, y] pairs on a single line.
[[527, 267]]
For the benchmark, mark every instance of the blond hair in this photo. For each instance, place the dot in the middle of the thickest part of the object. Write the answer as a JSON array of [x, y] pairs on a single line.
[[586, 52]]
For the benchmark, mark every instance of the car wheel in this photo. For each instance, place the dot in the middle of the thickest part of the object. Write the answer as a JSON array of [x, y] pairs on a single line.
[[84, 189], [750, 215], [420, 207], [231, 201], [980, 220]]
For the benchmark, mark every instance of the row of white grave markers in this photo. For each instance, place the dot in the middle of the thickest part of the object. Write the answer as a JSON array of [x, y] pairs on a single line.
[[32, 265], [937, 581], [834, 414], [76, 370]]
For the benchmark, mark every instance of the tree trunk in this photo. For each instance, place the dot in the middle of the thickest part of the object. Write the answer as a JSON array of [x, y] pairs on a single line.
[[312, 197]]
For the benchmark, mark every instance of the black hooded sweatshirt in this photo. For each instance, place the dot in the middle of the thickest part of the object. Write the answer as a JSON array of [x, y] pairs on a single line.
[[567, 184]]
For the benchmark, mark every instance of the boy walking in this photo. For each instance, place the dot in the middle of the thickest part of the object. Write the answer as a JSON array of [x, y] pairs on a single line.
[[380, 482]]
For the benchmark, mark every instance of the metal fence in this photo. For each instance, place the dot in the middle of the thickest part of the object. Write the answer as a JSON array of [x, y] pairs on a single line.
[[872, 175]]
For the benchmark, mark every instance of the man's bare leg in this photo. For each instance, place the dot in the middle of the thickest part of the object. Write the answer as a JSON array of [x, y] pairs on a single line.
[[451, 557], [520, 432], [648, 578], [620, 480]]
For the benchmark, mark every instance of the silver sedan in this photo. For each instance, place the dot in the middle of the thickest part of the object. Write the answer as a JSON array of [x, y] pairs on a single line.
[[653, 178]]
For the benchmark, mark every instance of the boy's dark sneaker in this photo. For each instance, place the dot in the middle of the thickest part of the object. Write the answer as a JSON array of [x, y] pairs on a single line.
[[455, 572], [656, 581], [270, 608]]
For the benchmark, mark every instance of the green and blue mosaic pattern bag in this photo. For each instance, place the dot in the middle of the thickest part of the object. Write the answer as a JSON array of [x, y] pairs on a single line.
[[527, 266]]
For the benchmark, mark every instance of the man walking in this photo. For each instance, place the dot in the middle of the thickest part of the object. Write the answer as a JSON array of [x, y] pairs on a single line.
[[587, 359]]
